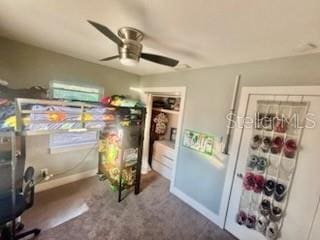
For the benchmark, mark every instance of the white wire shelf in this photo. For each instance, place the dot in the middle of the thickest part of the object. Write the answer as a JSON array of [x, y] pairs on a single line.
[[165, 110]]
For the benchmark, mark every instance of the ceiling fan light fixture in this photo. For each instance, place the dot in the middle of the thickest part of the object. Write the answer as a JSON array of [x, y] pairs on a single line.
[[128, 61]]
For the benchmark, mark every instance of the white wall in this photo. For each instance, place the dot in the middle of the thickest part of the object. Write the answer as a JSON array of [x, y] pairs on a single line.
[[208, 100], [24, 66]]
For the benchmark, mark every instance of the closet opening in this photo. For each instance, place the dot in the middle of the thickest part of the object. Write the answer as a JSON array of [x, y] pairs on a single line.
[[163, 130]]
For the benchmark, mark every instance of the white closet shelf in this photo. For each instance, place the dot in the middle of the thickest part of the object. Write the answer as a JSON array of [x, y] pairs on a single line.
[[166, 110]]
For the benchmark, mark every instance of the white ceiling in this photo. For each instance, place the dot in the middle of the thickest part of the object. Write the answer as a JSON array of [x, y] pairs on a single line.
[[199, 33]]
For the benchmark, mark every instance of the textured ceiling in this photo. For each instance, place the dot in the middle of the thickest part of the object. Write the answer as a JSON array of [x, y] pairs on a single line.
[[199, 33]]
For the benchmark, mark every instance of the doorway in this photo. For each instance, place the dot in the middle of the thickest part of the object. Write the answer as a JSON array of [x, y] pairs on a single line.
[[165, 107]]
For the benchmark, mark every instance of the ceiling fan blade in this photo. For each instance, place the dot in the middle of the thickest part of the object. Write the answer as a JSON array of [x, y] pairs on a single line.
[[109, 58], [160, 59], [107, 32]]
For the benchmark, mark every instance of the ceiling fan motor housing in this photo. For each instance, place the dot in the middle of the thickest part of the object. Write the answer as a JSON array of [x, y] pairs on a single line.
[[132, 47]]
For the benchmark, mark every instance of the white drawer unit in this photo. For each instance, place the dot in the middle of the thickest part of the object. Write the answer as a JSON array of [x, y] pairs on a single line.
[[163, 158]]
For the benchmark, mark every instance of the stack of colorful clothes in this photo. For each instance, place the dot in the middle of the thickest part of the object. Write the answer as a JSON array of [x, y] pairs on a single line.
[[7, 115], [54, 118]]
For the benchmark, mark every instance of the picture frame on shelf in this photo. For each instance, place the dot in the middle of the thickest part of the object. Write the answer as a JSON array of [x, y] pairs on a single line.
[[173, 134]]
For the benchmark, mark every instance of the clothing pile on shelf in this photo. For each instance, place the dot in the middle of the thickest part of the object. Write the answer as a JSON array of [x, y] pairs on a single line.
[[63, 118], [7, 115], [8, 119], [122, 101], [54, 117], [96, 117], [44, 117]]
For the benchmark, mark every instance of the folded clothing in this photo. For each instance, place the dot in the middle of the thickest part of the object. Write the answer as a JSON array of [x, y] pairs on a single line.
[[54, 117], [40, 113], [7, 110], [43, 108], [7, 115]]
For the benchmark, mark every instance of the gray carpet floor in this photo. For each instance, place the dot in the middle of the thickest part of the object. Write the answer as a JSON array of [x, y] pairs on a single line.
[[153, 214]]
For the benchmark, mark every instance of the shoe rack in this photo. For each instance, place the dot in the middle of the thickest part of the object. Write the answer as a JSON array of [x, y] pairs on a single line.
[[271, 163]]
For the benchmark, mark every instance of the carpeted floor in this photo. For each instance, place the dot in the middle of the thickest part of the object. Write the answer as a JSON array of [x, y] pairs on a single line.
[[153, 214]]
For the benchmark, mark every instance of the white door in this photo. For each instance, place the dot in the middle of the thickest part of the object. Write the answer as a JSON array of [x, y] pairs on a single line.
[[301, 201], [315, 232]]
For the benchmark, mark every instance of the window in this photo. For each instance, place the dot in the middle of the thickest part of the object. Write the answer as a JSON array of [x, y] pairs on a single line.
[[62, 90], [72, 140]]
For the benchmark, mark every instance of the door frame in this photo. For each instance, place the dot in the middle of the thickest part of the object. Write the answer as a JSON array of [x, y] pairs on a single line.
[[146, 96], [238, 132]]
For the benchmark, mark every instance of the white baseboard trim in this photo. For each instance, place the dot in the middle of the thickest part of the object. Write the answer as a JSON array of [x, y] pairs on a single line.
[[64, 180], [145, 169], [197, 206]]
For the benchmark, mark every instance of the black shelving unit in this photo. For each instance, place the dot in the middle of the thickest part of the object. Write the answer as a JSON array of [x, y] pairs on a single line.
[[8, 161], [120, 149]]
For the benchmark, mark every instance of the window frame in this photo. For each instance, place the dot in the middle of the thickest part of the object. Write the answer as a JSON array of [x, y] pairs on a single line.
[[81, 89], [74, 146]]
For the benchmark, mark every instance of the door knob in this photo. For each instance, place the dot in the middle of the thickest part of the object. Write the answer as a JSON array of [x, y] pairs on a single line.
[[240, 175]]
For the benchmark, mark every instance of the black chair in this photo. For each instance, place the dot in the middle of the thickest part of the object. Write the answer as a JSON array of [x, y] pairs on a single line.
[[22, 202]]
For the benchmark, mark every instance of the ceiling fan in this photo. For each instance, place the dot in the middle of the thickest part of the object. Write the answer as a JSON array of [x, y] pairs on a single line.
[[130, 47]]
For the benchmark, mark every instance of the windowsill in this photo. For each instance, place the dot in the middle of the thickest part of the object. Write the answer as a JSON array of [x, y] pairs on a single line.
[[55, 150]]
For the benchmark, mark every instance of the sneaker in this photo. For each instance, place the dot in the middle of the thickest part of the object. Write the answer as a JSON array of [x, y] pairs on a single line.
[[252, 163], [262, 164], [259, 183], [277, 144], [265, 207], [262, 224], [251, 221], [276, 214], [266, 144], [241, 218], [269, 187], [249, 181], [290, 148], [272, 231], [256, 141], [280, 192]]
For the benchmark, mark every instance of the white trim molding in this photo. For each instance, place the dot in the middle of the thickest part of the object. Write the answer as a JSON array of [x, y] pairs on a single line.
[[64, 180], [146, 95]]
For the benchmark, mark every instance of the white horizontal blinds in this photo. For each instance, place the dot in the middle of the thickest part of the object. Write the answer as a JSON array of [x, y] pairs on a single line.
[[72, 91]]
